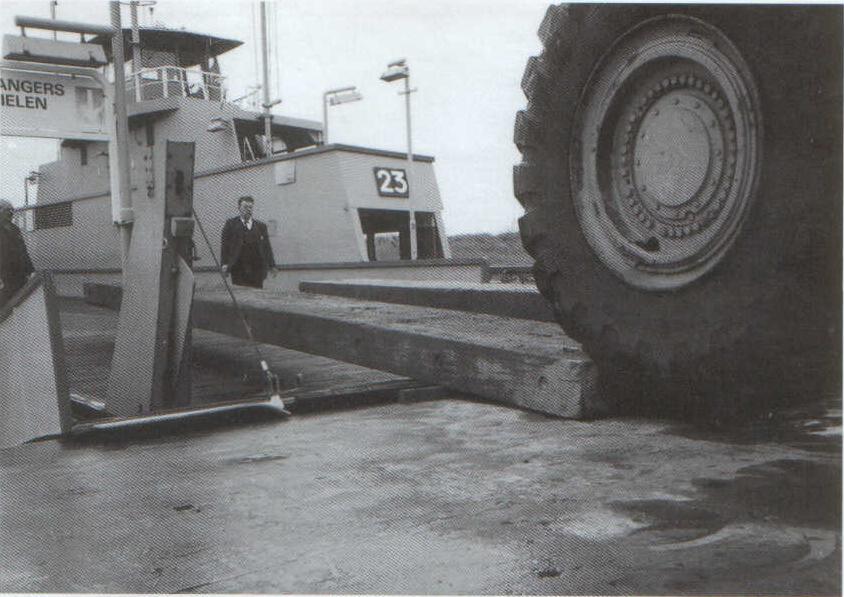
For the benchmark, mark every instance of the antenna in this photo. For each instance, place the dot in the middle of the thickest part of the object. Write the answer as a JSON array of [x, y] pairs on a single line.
[[53, 4], [255, 51], [276, 44]]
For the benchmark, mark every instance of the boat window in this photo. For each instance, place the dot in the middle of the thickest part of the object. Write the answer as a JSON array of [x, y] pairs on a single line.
[[279, 145], [251, 148], [428, 242], [387, 233], [246, 152]]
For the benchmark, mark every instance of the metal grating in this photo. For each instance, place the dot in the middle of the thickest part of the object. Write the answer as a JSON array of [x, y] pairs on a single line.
[[53, 216]]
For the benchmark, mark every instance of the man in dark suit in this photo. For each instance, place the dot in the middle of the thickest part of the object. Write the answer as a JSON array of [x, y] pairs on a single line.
[[245, 248], [15, 265]]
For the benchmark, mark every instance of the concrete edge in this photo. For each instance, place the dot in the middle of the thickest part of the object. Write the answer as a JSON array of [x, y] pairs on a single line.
[[493, 301]]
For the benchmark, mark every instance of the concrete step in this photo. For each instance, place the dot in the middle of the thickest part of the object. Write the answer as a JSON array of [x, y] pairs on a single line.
[[505, 300]]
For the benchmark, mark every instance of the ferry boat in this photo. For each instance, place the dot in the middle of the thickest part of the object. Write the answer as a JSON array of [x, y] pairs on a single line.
[[330, 207]]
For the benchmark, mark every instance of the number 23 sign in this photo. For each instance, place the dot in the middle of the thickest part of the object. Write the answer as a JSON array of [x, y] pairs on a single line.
[[391, 182]]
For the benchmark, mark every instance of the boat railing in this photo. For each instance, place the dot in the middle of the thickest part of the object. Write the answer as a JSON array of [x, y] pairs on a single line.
[[173, 81]]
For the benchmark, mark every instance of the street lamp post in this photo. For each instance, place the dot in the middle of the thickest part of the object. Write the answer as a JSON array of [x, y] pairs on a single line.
[[396, 71], [29, 179], [266, 104], [335, 97]]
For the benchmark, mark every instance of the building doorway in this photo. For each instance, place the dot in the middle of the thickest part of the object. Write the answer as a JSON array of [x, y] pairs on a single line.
[[387, 233]]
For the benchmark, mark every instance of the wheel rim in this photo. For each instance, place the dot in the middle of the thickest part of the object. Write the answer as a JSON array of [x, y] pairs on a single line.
[[667, 152]]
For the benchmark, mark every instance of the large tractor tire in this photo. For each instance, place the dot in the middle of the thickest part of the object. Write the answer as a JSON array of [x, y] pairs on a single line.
[[681, 178]]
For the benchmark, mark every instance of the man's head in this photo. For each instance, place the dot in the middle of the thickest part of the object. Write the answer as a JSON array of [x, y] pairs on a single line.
[[6, 211], [244, 206]]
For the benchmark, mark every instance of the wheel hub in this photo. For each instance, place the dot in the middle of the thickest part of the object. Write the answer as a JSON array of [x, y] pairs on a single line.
[[670, 153]]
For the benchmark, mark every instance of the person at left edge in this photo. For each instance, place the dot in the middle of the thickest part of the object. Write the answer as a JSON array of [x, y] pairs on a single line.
[[15, 264], [246, 252]]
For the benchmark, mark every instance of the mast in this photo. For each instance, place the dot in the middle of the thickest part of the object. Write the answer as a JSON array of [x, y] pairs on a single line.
[[53, 4], [121, 140], [268, 118], [136, 38]]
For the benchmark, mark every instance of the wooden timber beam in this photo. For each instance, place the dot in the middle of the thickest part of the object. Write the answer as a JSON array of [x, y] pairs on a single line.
[[523, 363]]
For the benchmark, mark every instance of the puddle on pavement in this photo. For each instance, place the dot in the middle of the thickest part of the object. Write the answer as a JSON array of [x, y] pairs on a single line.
[[780, 519], [793, 492], [673, 520], [815, 427], [797, 493]]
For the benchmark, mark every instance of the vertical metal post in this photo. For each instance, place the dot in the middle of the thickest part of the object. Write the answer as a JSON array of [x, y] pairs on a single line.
[[121, 137], [411, 213], [53, 4], [268, 135], [136, 37], [26, 191], [149, 366], [407, 109], [333, 97], [325, 118]]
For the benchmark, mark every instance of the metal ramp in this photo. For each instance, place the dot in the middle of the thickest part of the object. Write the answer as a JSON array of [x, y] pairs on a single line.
[[34, 397]]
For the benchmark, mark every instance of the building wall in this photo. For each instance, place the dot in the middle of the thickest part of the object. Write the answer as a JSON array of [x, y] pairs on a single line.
[[190, 122], [359, 182], [68, 178], [356, 170], [312, 217], [93, 242], [307, 219]]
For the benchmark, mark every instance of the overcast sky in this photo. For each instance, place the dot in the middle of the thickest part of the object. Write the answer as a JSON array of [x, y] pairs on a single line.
[[466, 58]]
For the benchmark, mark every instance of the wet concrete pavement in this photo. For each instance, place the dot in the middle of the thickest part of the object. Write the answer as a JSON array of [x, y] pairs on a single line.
[[448, 496]]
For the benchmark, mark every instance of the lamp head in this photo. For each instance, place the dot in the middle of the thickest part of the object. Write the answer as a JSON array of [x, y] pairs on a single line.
[[345, 97], [395, 72]]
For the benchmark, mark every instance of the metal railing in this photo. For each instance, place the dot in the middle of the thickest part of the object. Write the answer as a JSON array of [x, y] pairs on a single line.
[[173, 81]]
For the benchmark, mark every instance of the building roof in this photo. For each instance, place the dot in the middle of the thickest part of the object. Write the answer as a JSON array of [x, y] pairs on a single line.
[[227, 111], [193, 48]]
